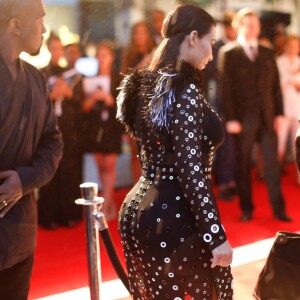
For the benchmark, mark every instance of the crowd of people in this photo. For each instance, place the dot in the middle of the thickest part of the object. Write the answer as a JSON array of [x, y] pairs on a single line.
[[191, 121], [223, 87], [86, 116], [86, 113]]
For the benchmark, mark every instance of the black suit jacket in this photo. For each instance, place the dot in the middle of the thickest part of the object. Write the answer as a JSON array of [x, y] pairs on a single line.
[[250, 90], [31, 144]]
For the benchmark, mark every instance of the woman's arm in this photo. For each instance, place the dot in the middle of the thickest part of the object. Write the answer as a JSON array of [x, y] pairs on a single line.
[[187, 138]]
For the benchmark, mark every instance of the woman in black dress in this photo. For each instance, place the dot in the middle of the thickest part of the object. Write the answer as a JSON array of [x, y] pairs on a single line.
[[102, 132], [173, 239]]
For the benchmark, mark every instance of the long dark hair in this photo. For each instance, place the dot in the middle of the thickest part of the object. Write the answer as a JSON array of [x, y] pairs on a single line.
[[177, 24]]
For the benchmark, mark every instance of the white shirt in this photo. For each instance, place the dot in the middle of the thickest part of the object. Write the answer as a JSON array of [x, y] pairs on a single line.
[[250, 47], [289, 72]]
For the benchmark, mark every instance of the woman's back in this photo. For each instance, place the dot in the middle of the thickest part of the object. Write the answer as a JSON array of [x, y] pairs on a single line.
[[176, 132]]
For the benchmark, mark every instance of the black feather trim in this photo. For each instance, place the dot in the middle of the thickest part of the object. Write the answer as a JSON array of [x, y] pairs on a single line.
[[157, 90], [168, 84], [127, 99]]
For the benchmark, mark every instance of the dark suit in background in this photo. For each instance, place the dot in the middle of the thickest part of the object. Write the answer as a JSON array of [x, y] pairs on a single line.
[[251, 95]]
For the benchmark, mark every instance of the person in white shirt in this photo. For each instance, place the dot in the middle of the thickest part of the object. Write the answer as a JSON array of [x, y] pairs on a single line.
[[289, 70]]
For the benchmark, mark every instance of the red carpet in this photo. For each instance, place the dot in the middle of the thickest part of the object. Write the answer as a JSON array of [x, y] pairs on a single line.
[[61, 262]]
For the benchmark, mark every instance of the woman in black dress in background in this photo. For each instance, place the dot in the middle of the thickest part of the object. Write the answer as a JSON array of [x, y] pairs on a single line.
[[170, 226], [102, 132]]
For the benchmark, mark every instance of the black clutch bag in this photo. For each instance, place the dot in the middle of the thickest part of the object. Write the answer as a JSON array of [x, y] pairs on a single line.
[[280, 276]]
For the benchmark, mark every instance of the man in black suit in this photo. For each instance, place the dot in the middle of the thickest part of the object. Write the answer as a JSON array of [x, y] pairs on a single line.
[[252, 104], [30, 142]]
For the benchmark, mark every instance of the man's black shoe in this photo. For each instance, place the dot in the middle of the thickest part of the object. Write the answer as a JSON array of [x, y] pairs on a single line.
[[50, 226], [283, 217], [71, 223], [246, 217]]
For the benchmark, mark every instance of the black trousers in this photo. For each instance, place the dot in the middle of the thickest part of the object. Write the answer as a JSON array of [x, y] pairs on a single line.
[[15, 281], [56, 199], [267, 140]]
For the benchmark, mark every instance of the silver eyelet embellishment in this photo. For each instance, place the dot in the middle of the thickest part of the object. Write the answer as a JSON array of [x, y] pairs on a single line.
[[167, 260], [201, 184], [207, 238], [214, 228], [163, 244]]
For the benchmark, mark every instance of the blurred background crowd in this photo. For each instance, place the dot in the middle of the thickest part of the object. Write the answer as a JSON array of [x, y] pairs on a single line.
[[91, 44]]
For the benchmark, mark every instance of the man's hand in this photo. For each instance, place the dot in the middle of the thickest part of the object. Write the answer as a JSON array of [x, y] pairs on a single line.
[[278, 122], [61, 89], [10, 191], [233, 127]]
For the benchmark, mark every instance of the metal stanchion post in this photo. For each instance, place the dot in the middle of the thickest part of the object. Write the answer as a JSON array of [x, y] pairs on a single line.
[[92, 204]]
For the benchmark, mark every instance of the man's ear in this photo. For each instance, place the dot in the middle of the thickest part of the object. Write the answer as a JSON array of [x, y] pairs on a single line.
[[193, 36], [14, 26]]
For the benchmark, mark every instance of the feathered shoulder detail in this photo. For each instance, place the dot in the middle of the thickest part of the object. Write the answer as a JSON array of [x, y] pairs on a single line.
[[127, 99], [166, 88], [157, 91]]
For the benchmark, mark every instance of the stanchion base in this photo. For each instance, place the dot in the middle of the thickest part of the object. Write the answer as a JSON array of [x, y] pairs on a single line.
[[95, 201]]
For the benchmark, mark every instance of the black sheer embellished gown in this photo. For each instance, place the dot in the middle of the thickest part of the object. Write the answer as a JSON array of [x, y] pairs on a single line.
[[169, 222]]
